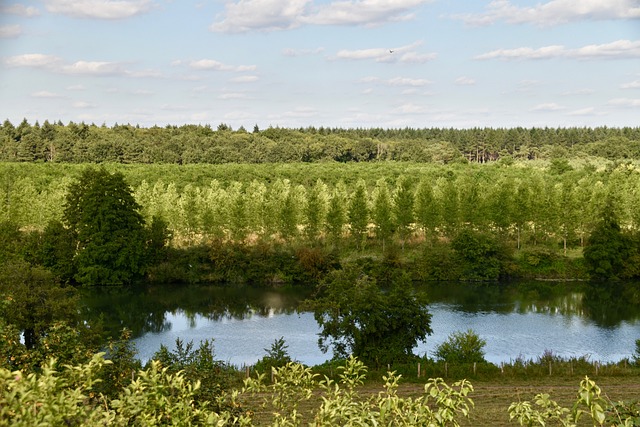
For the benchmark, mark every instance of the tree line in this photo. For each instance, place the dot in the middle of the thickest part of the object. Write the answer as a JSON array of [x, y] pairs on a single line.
[[553, 203], [188, 144]]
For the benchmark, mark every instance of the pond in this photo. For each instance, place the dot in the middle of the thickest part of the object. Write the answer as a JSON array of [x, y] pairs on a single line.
[[520, 320]]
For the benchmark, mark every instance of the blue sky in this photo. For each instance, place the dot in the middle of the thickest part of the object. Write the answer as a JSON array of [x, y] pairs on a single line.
[[334, 63]]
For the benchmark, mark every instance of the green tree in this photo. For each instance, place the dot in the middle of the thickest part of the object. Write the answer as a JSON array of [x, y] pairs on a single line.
[[426, 209], [315, 211], [403, 201], [336, 213], [381, 212], [101, 210], [607, 248], [358, 213], [378, 326]]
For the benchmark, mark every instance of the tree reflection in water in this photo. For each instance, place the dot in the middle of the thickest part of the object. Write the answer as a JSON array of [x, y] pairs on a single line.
[[144, 309]]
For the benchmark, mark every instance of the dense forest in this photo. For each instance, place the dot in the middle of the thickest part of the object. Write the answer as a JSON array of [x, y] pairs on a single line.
[[88, 143], [482, 193]]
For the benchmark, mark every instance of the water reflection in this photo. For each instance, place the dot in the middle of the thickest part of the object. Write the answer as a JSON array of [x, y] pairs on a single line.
[[145, 309], [516, 320]]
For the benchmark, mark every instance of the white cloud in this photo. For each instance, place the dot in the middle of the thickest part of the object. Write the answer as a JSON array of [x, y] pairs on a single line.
[[301, 52], [410, 109], [631, 85], [620, 49], [82, 105], [10, 31], [554, 12], [625, 102], [465, 81], [33, 60], [232, 95], [45, 94], [587, 111], [397, 81], [266, 15], [551, 106], [93, 68], [270, 15], [404, 81], [96, 68], [362, 12], [100, 9], [213, 65], [403, 54], [244, 79], [578, 92], [20, 9]]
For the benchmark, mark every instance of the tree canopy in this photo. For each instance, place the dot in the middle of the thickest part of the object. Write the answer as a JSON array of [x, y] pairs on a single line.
[[376, 325], [110, 231]]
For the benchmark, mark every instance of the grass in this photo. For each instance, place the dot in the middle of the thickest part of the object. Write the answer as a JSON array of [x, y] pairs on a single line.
[[493, 397]]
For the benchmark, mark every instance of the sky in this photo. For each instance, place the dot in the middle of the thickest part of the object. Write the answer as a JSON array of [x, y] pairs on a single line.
[[331, 63]]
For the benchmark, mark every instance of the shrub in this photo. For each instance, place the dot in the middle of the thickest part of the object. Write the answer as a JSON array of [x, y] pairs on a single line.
[[462, 347]]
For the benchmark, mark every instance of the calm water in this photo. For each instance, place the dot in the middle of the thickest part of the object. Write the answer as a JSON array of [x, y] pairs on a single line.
[[522, 320]]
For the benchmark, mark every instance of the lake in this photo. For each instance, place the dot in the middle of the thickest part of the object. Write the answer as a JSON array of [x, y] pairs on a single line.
[[521, 320]]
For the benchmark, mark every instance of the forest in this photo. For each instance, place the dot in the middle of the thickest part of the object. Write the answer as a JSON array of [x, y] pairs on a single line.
[[475, 204], [187, 144]]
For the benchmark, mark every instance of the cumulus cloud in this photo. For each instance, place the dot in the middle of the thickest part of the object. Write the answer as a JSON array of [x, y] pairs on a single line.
[[551, 106], [402, 54], [554, 12], [397, 81], [631, 85], [99, 9], [244, 79], [625, 102], [19, 9], [620, 49], [45, 94], [270, 15], [587, 111], [361, 12], [267, 15], [33, 60], [10, 31], [465, 81], [92, 68], [302, 52], [213, 65]]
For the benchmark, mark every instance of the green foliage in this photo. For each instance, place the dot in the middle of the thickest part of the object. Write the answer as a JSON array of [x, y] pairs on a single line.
[[590, 404], [378, 326], [276, 357], [483, 256], [36, 300], [199, 366], [607, 249], [51, 397], [462, 347], [101, 209], [342, 404]]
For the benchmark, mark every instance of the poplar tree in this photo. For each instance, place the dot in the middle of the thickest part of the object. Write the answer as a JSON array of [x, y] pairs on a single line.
[[359, 213]]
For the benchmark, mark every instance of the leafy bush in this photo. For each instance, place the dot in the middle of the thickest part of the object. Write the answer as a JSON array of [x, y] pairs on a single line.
[[462, 347]]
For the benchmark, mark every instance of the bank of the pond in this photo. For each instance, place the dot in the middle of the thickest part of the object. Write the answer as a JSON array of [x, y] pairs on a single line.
[[276, 264]]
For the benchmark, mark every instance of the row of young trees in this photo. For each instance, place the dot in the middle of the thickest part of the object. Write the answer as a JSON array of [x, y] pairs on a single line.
[[527, 205], [82, 143]]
